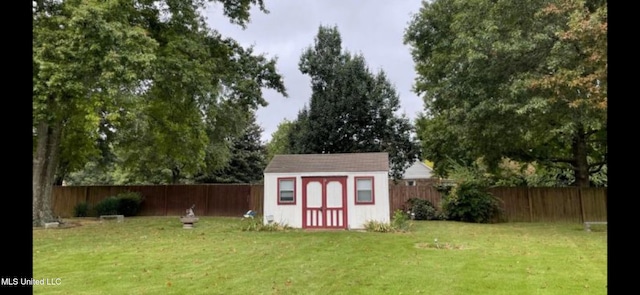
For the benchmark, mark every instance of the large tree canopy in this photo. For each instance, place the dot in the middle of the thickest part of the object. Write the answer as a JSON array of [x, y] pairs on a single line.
[[351, 108], [247, 158], [519, 80], [146, 81]]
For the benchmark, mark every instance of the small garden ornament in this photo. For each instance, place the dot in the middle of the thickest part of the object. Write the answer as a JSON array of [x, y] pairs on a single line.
[[189, 219]]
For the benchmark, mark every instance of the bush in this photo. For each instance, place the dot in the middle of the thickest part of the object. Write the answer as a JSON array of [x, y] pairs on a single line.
[[377, 226], [443, 188], [400, 221], [81, 210], [422, 209], [129, 203], [442, 215], [251, 224], [470, 202], [108, 206], [126, 203], [256, 224]]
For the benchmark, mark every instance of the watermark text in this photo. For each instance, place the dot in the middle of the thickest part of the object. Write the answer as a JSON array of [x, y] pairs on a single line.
[[30, 281]]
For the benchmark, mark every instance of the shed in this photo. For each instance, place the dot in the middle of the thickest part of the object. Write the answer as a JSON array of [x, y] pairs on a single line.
[[327, 191]]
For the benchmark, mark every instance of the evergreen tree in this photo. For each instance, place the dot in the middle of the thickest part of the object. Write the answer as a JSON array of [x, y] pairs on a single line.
[[248, 158], [351, 109]]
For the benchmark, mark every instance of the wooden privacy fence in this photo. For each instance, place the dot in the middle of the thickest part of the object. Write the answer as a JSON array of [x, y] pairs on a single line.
[[519, 204], [524, 204], [543, 204], [167, 200]]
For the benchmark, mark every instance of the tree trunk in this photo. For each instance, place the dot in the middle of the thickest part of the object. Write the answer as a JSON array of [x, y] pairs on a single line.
[[45, 162], [175, 175], [581, 169]]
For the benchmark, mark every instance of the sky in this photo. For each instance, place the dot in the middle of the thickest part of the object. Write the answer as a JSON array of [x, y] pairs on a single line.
[[373, 28]]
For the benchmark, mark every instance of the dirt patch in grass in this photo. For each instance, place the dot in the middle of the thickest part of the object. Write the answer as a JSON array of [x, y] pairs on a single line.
[[439, 246], [80, 221]]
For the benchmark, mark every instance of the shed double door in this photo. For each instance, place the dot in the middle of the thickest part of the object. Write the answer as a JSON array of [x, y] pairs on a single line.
[[324, 202]]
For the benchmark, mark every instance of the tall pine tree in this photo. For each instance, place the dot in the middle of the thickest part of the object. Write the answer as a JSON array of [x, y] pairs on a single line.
[[248, 158], [351, 109]]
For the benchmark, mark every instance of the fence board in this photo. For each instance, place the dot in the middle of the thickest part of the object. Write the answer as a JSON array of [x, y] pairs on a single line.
[[400, 194], [228, 199], [154, 199], [63, 202], [185, 196], [594, 204], [514, 202], [555, 204], [256, 203]]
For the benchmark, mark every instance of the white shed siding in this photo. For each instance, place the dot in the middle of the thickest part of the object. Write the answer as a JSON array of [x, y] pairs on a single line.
[[285, 214], [357, 214]]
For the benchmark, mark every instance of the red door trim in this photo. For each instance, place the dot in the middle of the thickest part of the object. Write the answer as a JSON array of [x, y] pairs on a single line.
[[325, 213]]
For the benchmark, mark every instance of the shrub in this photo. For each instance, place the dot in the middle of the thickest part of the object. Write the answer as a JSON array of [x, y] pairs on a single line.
[[126, 203], [400, 221], [441, 215], [108, 206], [129, 203], [443, 188], [256, 224], [377, 226], [470, 202], [81, 210], [250, 224], [422, 209]]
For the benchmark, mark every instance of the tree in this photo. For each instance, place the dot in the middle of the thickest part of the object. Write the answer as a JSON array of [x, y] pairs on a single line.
[[523, 81], [248, 158], [279, 143], [351, 109], [94, 60], [92, 174], [441, 143], [83, 53], [299, 132]]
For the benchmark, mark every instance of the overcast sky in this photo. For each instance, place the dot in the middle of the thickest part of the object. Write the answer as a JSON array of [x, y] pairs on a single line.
[[373, 28]]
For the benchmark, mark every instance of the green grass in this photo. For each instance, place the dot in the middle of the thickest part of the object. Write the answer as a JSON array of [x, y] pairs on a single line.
[[148, 255]]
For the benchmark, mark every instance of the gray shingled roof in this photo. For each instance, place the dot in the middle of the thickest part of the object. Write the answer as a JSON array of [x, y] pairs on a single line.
[[348, 162]]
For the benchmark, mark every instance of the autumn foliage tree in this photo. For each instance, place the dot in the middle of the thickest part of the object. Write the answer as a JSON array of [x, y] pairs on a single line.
[[513, 80]]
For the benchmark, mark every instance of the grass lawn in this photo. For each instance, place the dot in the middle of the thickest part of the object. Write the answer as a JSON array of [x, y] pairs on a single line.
[[155, 255]]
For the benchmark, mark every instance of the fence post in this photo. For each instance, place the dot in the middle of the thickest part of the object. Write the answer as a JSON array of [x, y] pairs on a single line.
[[165, 200], [606, 199], [530, 204], [250, 201], [206, 200], [582, 214]]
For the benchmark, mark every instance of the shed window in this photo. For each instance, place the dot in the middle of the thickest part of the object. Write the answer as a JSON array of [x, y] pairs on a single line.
[[364, 190], [286, 191]]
